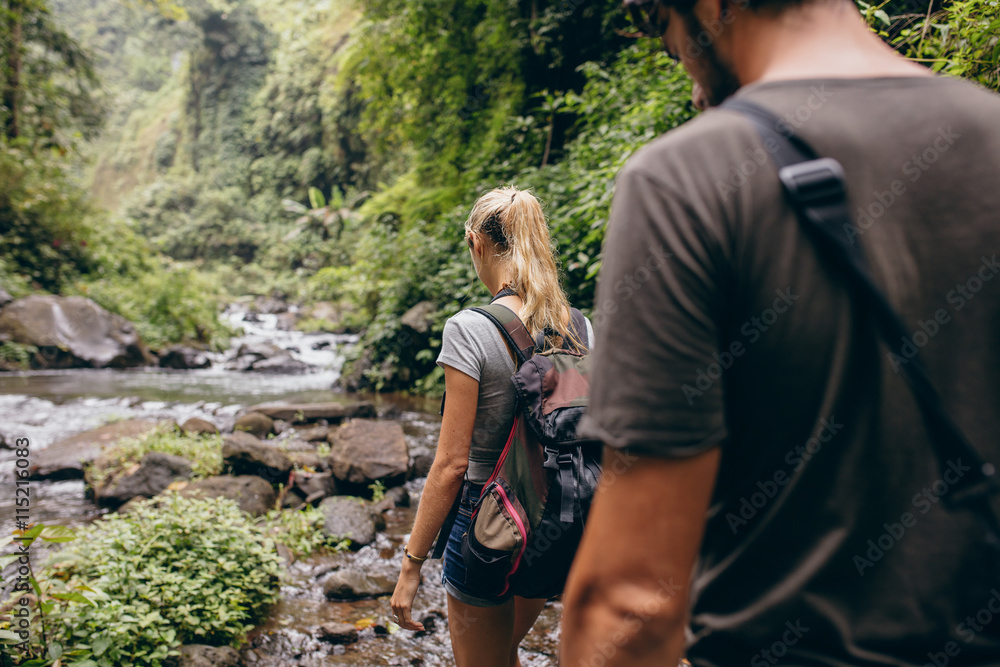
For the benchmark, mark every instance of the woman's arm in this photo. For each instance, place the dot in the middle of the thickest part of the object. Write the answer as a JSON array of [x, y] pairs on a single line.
[[444, 481]]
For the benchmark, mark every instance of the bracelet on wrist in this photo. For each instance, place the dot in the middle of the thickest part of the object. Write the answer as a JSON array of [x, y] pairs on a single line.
[[415, 559]]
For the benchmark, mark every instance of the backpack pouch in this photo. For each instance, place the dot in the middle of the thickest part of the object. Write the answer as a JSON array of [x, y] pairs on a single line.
[[493, 546]]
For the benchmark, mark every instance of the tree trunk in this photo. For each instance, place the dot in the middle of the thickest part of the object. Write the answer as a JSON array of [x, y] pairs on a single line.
[[12, 87]]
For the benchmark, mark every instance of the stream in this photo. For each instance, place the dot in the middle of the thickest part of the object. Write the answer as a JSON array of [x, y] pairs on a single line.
[[46, 406]]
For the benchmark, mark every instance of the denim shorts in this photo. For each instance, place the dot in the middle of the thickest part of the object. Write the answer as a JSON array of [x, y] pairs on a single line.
[[453, 574]]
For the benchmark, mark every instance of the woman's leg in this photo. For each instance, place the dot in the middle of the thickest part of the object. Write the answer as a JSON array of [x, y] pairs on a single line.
[[490, 636], [526, 612], [480, 636]]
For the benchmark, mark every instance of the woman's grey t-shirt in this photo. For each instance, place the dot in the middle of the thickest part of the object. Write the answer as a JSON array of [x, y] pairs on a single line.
[[472, 344]]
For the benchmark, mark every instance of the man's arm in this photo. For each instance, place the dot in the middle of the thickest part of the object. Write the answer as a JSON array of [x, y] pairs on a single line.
[[627, 598]]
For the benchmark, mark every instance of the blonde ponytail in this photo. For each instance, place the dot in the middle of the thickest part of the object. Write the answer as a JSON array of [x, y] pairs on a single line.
[[513, 220]]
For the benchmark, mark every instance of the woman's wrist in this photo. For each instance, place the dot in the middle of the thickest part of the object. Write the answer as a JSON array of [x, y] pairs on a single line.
[[411, 565]]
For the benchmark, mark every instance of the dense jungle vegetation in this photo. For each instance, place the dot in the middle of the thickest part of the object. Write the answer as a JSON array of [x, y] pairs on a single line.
[[163, 157]]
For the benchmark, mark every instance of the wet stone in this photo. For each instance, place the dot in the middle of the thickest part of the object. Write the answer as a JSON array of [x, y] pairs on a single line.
[[255, 423], [347, 584], [338, 633], [243, 454], [198, 655], [347, 517], [199, 426]]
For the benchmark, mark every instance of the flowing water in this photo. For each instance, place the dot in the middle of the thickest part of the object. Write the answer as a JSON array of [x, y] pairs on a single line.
[[48, 406]]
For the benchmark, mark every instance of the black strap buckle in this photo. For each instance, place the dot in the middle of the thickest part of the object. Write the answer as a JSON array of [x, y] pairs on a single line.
[[814, 182]]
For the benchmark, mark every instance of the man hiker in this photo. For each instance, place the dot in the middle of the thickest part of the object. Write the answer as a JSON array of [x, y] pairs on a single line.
[[771, 494]]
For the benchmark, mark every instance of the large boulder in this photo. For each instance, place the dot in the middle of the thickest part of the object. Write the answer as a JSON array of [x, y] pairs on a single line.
[[183, 358], [153, 474], [350, 518], [202, 655], [305, 412], [65, 459], [363, 451], [73, 332], [253, 494], [255, 423], [356, 585], [5, 298], [243, 454]]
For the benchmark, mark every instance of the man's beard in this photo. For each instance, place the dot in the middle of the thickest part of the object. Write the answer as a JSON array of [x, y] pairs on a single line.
[[718, 80]]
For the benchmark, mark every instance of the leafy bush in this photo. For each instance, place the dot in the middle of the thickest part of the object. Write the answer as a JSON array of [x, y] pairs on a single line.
[[16, 355], [168, 303], [172, 571], [958, 38], [203, 451], [300, 530]]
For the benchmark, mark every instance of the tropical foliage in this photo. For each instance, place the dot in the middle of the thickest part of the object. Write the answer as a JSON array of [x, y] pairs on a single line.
[[329, 151]]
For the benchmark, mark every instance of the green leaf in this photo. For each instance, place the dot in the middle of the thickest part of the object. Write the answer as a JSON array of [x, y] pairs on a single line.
[[316, 198], [7, 635], [57, 534], [73, 597], [100, 645]]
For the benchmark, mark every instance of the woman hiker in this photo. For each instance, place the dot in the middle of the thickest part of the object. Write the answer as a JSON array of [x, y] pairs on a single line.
[[508, 239]]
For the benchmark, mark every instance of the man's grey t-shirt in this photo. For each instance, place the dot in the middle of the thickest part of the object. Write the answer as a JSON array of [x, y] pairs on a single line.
[[826, 543], [472, 344]]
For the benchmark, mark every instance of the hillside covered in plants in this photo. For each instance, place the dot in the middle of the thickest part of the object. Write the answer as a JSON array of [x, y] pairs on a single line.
[[164, 158]]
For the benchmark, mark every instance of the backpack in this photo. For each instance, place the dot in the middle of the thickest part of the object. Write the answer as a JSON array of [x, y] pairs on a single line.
[[529, 519]]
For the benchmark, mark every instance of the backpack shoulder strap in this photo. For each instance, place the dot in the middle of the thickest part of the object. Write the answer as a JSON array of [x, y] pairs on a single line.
[[817, 189], [511, 328], [579, 323]]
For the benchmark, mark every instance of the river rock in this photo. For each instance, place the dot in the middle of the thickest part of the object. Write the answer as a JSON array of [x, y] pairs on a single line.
[[253, 494], [5, 298], [283, 364], [269, 305], [313, 486], [65, 459], [259, 350], [421, 460], [337, 633], [155, 472], [200, 655], [310, 459], [183, 358], [419, 317], [396, 497], [348, 517], [363, 451], [243, 454], [199, 426], [355, 585], [73, 332], [313, 434], [256, 423], [304, 412], [286, 322]]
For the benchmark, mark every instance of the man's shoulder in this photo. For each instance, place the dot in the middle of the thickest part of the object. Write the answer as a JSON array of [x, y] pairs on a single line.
[[694, 153]]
